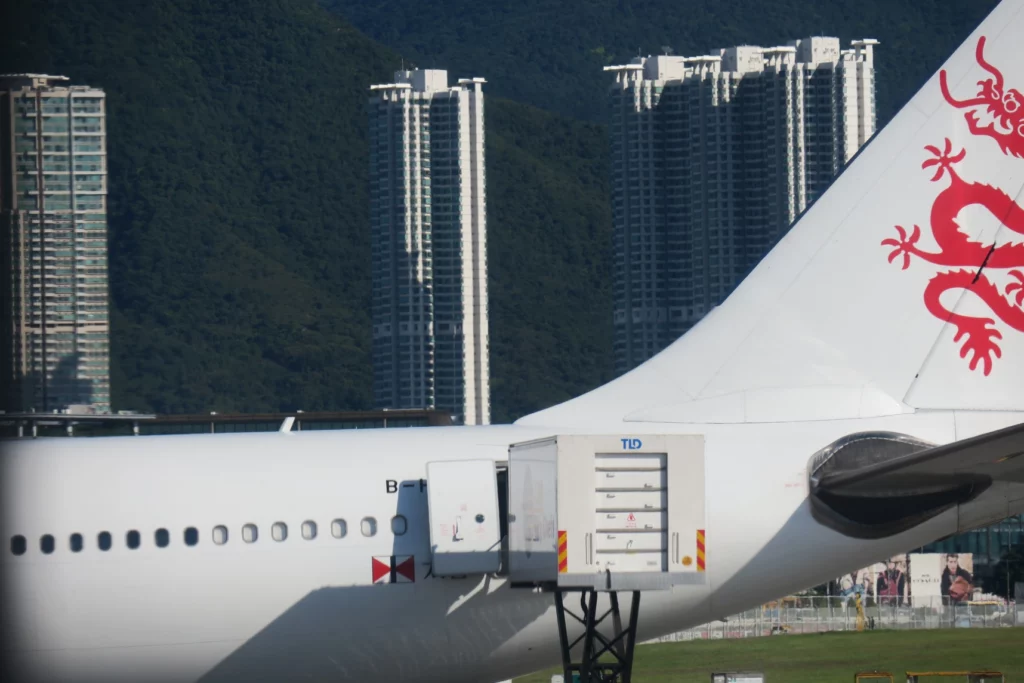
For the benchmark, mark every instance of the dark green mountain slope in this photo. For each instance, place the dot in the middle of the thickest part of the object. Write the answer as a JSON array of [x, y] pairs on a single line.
[[239, 243], [549, 256], [550, 52]]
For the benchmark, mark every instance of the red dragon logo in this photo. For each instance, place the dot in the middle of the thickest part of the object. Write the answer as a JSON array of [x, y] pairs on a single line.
[[966, 258], [1005, 108]]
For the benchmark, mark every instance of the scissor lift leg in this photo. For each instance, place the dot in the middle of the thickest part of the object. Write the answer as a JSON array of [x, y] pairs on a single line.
[[595, 644]]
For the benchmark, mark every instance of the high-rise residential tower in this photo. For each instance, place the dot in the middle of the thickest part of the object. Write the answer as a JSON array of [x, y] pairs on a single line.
[[55, 351], [428, 218], [713, 158]]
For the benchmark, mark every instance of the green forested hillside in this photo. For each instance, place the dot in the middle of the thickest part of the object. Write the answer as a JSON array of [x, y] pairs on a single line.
[[239, 242], [550, 52], [549, 256]]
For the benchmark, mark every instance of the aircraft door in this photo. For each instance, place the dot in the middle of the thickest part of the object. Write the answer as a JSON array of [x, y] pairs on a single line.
[[465, 525]]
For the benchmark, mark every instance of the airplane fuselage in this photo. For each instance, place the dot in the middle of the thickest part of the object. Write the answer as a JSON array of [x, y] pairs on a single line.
[[241, 605]]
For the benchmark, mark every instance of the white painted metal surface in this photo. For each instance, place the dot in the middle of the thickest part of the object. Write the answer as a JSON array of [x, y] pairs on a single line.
[[614, 508], [269, 611], [465, 534]]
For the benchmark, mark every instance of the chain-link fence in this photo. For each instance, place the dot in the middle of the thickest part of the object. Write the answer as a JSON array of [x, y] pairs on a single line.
[[818, 614]]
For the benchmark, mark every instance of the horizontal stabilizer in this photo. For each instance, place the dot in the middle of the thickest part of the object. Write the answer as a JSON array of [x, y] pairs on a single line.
[[994, 455], [876, 484]]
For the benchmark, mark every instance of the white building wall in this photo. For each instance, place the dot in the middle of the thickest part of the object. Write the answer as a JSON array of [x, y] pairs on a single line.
[[865, 64], [853, 106], [450, 273], [478, 401]]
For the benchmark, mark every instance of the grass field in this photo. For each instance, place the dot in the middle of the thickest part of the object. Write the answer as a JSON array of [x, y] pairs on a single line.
[[823, 658]]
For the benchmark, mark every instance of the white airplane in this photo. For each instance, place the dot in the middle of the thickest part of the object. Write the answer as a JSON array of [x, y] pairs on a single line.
[[861, 393]]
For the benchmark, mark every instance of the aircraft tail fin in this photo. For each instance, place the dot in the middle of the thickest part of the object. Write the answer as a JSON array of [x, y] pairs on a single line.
[[901, 288]]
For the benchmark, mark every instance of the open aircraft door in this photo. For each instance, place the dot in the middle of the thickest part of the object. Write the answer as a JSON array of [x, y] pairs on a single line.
[[465, 527]]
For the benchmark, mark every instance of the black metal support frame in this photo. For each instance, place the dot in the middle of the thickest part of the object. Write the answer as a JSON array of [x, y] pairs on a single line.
[[620, 644]]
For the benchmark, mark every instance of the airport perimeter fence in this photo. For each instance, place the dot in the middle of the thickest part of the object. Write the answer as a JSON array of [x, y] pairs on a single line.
[[820, 614]]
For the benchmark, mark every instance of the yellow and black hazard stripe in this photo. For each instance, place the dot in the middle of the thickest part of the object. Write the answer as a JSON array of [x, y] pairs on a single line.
[[700, 550]]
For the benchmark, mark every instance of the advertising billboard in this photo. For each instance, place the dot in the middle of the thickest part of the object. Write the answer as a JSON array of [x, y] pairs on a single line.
[[922, 576], [949, 576], [892, 581], [887, 581]]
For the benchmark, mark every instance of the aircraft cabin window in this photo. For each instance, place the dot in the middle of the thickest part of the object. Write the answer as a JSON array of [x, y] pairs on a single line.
[[133, 539], [18, 545], [103, 541], [279, 531], [249, 533], [76, 543], [162, 538], [220, 535], [339, 528], [399, 525], [191, 536], [46, 544], [368, 526], [309, 530]]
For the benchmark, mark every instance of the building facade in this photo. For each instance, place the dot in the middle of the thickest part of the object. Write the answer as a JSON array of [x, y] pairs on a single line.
[[428, 218], [53, 226], [713, 158]]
